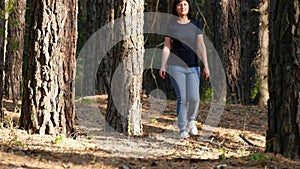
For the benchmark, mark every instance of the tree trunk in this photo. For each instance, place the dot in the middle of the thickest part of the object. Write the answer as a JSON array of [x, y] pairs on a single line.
[[124, 104], [48, 100], [249, 31], [3, 42], [228, 44], [170, 5], [99, 13], [283, 134], [262, 59], [15, 48], [82, 38]]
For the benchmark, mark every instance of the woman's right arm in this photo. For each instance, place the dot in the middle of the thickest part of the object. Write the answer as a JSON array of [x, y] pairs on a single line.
[[165, 56]]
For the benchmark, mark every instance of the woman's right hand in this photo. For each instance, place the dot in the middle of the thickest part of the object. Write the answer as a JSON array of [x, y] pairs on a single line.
[[162, 73]]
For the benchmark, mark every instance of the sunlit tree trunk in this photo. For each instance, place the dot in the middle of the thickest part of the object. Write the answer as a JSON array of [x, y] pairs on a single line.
[[15, 48], [3, 35], [48, 99], [283, 134], [124, 107], [262, 59]]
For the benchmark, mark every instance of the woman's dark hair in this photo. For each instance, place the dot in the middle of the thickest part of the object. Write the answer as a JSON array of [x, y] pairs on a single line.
[[174, 12]]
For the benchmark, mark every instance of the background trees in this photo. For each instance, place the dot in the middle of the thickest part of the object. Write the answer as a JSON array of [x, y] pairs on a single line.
[[99, 13], [3, 34], [228, 44], [15, 46]]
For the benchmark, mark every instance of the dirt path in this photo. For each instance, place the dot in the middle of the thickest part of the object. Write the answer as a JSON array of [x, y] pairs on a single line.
[[238, 142]]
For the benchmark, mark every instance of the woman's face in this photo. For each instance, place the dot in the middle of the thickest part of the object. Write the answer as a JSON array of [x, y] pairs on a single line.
[[182, 8]]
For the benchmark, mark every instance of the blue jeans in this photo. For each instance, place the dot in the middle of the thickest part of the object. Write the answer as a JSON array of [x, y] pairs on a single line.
[[185, 81]]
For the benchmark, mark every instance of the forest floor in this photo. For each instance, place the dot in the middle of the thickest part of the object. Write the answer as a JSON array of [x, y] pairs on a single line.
[[237, 142]]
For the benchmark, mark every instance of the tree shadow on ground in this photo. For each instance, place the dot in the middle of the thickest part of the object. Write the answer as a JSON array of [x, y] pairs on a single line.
[[98, 158]]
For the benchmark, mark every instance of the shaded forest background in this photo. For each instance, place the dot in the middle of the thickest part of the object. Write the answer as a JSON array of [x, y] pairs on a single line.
[[241, 51]]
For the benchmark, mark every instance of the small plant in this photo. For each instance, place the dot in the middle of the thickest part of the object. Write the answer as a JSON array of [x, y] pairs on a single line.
[[259, 157], [19, 143], [94, 160], [242, 151], [222, 156], [154, 121], [207, 94], [58, 139], [255, 91]]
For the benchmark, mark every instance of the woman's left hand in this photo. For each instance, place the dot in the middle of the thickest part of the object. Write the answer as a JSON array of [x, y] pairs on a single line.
[[206, 73]]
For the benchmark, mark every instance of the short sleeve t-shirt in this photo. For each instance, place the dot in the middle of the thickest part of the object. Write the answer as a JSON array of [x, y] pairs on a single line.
[[184, 38]]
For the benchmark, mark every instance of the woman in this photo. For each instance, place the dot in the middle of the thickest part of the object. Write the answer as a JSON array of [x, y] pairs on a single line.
[[184, 38]]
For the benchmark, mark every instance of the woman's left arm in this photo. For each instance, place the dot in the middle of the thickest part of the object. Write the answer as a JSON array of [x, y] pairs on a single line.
[[203, 54]]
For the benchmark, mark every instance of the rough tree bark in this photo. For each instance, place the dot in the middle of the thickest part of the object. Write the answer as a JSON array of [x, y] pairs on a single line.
[[124, 105], [15, 47], [48, 100], [262, 59], [283, 134], [228, 44]]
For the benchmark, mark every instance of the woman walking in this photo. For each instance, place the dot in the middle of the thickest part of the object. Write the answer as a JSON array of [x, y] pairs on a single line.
[[181, 45]]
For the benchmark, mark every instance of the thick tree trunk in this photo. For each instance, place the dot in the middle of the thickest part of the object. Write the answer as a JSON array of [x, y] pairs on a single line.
[[249, 31], [48, 100], [283, 134], [124, 104], [262, 59], [3, 42], [15, 48], [228, 44]]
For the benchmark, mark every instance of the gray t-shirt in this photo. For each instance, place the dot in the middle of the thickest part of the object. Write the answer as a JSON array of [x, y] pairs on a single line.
[[184, 39]]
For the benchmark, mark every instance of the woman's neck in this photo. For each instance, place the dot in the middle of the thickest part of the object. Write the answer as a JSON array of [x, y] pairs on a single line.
[[183, 19]]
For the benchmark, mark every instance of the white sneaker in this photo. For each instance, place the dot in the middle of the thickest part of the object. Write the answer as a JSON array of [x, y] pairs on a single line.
[[184, 135], [193, 128]]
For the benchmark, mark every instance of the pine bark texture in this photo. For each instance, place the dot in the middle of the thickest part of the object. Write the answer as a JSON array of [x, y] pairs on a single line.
[[15, 47], [48, 100], [283, 134], [228, 44], [124, 107]]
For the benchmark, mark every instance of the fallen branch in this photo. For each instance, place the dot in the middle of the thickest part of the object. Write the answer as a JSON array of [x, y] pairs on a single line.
[[245, 139]]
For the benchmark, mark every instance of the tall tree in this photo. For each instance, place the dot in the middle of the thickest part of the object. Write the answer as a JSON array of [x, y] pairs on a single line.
[[228, 44], [262, 58], [249, 40], [48, 99], [99, 12], [15, 46], [124, 105], [3, 35], [283, 134]]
